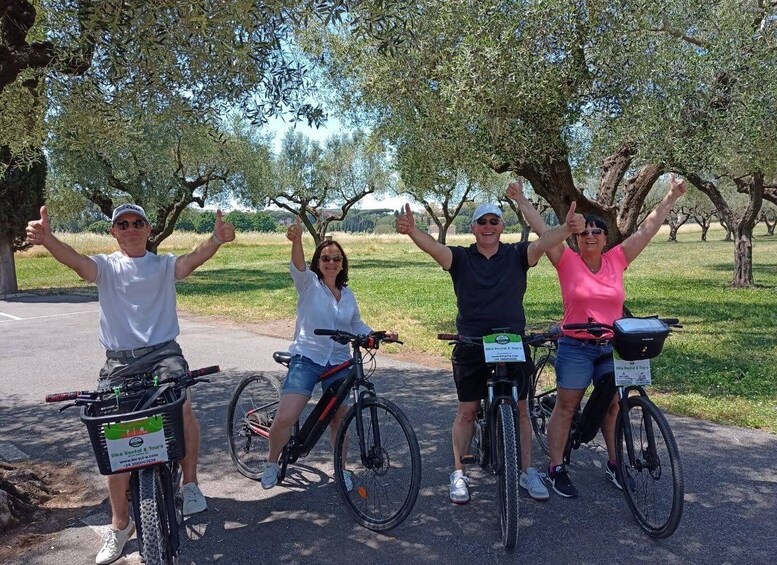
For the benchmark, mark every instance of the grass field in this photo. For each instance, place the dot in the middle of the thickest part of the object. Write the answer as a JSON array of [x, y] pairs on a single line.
[[720, 366]]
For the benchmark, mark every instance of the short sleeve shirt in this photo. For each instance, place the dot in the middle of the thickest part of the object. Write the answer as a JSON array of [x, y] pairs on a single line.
[[489, 291], [137, 300], [585, 295], [318, 308]]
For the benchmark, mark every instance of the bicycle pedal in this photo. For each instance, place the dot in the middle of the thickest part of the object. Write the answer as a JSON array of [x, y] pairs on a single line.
[[469, 459]]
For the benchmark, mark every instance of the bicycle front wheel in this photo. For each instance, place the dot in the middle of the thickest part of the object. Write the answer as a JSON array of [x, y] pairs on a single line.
[[155, 545], [507, 474], [250, 414], [653, 485], [379, 449], [542, 399]]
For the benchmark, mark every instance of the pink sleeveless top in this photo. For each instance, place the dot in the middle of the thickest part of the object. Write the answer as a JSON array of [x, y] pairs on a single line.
[[591, 295]]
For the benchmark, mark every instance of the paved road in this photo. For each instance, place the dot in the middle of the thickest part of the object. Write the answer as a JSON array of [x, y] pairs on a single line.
[[49, 343]]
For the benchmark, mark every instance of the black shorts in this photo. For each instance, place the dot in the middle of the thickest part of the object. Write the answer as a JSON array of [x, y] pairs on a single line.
[[471, 373]]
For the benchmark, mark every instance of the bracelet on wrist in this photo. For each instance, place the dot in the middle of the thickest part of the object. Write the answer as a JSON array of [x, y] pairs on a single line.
[[216, 239]]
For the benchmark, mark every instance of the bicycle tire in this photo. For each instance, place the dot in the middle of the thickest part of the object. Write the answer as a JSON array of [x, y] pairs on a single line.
[[655, 500], [508, 474], [542, 398], [387, 480], [255, 398], [155, 546]]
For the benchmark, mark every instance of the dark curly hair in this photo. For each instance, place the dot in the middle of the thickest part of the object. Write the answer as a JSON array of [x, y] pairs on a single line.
[[342, 276]]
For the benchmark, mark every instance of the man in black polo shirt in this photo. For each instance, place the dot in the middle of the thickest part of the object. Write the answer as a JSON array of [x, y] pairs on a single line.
[[489, 280]]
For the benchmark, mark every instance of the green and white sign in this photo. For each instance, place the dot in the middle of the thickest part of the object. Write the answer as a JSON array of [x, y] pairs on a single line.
[[631, 373], [503, 348], [136, 443]]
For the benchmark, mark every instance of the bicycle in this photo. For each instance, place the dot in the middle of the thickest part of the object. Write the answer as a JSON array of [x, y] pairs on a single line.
[[645, 448], [138, 428], [496, 441], [384, 463]]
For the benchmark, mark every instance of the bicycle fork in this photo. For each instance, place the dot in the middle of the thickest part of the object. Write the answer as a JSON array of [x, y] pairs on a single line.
[[647, 458], [371, 457]]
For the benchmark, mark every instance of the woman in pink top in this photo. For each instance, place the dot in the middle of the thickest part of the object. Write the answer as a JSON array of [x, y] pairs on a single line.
[[591, 287]]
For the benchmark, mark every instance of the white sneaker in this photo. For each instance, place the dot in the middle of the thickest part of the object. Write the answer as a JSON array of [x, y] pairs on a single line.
[[348, 481], [270, 475], [114, 544], [532, 482], [193, 499], [459, 489]]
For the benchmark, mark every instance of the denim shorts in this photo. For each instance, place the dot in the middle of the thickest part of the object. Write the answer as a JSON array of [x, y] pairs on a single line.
[[303, 375], [579, 363]]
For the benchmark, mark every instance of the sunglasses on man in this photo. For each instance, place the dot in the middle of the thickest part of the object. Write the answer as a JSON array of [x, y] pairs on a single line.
[[484, 221], [335, 258], [124, 224], [594, 231]]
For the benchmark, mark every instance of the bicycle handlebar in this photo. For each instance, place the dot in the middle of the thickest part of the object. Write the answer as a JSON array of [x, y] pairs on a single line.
[[369, 341], [94, 394], [593, 327]]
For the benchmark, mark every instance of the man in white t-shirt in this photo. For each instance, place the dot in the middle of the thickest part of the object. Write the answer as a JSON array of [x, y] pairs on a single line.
[[138, 327]]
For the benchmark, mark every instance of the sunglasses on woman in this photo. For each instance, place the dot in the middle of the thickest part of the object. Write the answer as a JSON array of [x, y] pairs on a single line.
[[484, 221], [595, 231], [124, 224], [335, 258]]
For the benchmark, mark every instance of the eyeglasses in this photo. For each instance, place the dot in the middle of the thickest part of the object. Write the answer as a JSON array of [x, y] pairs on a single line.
[[484, 221], [124, 224], [329, 259], [594, 231]]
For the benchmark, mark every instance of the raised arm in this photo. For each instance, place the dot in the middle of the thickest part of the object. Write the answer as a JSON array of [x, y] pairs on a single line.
[[294, 234], [636, 242], [530, 213], [39, 233], [222, 233], [552, 241], [425, 242]]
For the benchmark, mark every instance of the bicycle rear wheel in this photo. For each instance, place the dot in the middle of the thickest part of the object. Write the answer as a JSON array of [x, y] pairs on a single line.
[[155, 545], [386, 473], [653, 486], [249, 417], [542, 399], [507, 450]]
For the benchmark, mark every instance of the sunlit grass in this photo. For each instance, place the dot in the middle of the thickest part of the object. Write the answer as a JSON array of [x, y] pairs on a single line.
[[720, 366]]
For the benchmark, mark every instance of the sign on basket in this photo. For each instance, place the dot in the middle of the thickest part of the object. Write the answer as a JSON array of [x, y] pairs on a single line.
[[136, 443], [631, 373]]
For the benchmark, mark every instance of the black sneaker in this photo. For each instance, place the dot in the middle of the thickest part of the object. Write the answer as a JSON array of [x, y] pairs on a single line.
[[611, 472], [560, 483]]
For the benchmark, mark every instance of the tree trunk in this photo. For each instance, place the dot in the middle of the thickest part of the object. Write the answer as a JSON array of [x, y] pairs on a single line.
[[8, 283], [704, 229], [753, 186]]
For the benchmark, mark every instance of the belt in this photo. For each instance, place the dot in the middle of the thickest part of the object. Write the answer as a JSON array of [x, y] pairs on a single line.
[[136, 353]]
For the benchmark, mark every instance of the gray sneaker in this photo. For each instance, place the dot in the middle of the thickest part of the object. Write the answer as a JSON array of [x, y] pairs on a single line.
[[459, 490], [348, 481], [531, 480], [611, 472], [193, 499], [270, 475]]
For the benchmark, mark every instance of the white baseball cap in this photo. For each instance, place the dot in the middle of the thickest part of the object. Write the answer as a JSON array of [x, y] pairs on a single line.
[[128, 209], [484, 209]]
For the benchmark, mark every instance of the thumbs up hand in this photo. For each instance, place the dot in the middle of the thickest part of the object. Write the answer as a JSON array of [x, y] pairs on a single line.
[[294, 233], [223, 231], [39, 231], [406, 221], [575, 222]]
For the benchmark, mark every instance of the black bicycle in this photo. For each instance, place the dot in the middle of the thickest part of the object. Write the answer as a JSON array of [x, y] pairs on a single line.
[[649, 470], [384, 461], [138, 428], [496, 441]]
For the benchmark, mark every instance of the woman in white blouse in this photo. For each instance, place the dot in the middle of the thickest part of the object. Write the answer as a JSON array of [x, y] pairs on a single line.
[[323, 301]]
